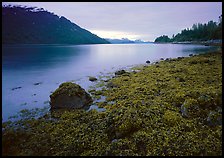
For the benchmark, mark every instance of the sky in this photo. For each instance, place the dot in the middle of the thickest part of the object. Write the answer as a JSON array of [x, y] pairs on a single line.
[[133, 20]]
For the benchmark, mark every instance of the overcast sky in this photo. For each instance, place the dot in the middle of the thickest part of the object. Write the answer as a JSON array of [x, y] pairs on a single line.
[[133, 20]]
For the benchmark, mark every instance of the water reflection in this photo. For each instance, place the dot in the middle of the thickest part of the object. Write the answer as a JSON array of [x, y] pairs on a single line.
[[40, 57]]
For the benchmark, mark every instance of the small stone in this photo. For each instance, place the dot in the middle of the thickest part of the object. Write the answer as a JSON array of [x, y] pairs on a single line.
[[148, 62], [120, 72], [16, 88], [98, 92], [111, 85], [167, 59], [180, 79], [180, 58], [106, 80], [47, 102], [38, 83], [184, 110], [92, 79], [24, 104], [214, 118], [114, 140]]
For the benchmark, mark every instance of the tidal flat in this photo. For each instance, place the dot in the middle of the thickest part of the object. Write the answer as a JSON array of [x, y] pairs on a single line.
[[169, 108]]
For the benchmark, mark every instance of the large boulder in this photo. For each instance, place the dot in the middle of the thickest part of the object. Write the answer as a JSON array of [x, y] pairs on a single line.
[[69, 96]]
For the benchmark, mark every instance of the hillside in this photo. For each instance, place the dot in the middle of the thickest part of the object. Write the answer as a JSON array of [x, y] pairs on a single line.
[[30, 25]]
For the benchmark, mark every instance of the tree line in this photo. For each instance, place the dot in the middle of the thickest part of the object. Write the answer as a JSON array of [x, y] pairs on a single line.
[[199, 32]]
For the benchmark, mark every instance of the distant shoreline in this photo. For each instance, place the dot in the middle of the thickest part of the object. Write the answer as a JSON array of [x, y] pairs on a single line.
[[206, 43]]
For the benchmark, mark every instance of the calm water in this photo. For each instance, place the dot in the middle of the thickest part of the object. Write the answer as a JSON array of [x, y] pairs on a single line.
[[47, 66]]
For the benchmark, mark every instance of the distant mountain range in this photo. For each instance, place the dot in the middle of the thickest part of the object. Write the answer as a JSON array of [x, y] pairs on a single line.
[[31, 25], [124, 41]]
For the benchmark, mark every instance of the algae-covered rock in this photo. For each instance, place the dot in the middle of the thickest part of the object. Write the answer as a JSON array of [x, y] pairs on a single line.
[[120, 72], [111, 85], [171, 118], [69, 95], [214, 118], [189, 108]]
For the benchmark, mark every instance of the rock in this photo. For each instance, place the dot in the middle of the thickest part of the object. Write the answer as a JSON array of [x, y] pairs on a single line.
[[111, 85], [214, 118], [69, 96], [193, 62], [120, 72], [180, 58], [190, 55], [184, 110], [37, 83], [180, 79], [114, 140], [189, 108], [161, 59], [92, 79], [98, 93], [46, 102], [171, 117], [106, 80], [24, 104], [148, 62], [167, 59], [16, 88]]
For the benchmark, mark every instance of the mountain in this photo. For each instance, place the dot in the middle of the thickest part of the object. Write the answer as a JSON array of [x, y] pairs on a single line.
[[31, 25], [119, 41], [124, 41]]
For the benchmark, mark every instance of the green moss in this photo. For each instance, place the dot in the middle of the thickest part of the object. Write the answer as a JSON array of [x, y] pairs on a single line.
[[68, 87], [171, 118]]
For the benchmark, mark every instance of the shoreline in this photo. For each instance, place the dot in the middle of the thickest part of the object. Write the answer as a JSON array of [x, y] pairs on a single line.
[[205, 43], [142, 107]]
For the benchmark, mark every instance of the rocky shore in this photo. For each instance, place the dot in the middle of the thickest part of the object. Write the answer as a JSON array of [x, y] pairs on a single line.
[[169, 108]]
